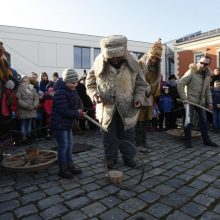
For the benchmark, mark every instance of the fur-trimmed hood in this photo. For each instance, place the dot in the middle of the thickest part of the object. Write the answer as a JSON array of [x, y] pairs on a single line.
[[194, 68]]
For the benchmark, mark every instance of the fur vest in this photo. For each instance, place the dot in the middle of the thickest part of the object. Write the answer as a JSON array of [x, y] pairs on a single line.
[[118, 89]]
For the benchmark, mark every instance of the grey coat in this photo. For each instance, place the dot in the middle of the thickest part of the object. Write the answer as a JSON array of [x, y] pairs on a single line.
[[27, 103], [197, 88]]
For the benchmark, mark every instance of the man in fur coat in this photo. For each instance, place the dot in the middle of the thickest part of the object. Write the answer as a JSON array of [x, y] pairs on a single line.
[[197, 91], [116, 84], [150, 64]]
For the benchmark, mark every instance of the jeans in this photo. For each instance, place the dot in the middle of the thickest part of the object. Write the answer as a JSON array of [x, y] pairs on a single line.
[[25, 126], [216, 118], [118, 138], [65, 141], [202, 121]]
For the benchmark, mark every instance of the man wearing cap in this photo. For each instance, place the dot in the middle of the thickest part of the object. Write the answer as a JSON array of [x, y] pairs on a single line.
[[150, 64], [197, 83], [117, 87]]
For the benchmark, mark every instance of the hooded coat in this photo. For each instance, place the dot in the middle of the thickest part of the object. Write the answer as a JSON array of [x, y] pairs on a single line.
[[197, 86]]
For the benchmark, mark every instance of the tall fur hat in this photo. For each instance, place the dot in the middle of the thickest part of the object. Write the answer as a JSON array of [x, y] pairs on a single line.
[[113, 46], [156, 49]]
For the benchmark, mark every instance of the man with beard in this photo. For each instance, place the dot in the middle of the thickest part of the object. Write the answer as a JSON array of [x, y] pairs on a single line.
[[197, 83], [115, 83]]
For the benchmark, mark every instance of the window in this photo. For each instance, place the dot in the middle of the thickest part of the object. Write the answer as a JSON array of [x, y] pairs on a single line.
[[198, 57], [138, 54], [97, 51], [81, 57]]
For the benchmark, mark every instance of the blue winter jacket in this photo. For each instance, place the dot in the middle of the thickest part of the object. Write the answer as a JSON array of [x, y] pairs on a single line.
[[165, 103], [66, 104]]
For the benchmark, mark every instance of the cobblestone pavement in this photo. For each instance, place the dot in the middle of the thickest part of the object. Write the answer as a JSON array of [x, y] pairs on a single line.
[[178, 183]]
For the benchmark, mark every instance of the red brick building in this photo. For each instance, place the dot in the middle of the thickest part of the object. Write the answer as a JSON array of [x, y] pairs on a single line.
[[190, 49]]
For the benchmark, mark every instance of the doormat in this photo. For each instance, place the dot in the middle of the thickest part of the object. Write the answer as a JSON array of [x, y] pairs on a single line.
[[79, 147]]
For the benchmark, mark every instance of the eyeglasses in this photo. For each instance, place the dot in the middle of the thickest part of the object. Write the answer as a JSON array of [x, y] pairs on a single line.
[[205, 64]]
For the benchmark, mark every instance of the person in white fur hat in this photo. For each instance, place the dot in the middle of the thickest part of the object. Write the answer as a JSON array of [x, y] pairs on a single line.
[[116, 84]]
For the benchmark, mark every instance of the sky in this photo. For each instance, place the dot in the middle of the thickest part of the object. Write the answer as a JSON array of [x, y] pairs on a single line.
[[138, 20]]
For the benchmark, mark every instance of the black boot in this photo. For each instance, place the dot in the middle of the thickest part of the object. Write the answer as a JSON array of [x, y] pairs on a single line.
[[187, 137], [210, 143], [65, 173], [74, 170]]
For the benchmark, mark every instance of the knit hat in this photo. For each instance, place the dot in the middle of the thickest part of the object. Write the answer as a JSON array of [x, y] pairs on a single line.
[[113, 46], [156, 49], [70, 75], [51, 89], [9, 84], [23, 77]]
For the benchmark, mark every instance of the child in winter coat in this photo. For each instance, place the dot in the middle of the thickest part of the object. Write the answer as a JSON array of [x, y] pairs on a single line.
[[66, 108], [27, 104], [48, 109], [166, 106]]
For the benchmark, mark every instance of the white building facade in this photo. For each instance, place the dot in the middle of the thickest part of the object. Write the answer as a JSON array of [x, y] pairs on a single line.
[[34, 50]]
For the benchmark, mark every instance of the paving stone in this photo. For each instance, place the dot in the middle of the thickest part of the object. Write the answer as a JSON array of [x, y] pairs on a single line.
[[90, 187], [175, 200], [32, 197], [193, 209], [75, 215], [207, 178], [7, 216], [25, 210], [157, 171], [125, 194], [8, 196], [53, 190], [213, 192], [176, 183], [73, 193], [159, 210], [204, 200], [142, 216], [48, 185], [53, 212], [198, 184], [46, 203], [6, 189], [114, 214], [6, 182], [149, 196], [177, 215], [8, 205], [163, 189], [133, 205], [210, 216], [110, 201], [98, 194], [78, 203], [29, 189], [94, 209], [70, 186], [187, 191], [217, 209]]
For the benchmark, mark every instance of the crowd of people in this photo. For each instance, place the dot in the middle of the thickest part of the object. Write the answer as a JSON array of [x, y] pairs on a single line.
[[126, 95]]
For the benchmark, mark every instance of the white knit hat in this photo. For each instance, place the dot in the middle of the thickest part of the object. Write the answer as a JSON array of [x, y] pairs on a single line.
[[70, 75], [9, 84]]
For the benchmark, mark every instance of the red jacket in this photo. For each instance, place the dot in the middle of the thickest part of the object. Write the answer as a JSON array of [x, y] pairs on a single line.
[[9, 102]]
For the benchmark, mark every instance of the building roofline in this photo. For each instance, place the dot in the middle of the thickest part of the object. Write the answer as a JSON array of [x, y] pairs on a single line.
[[65, 32]]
